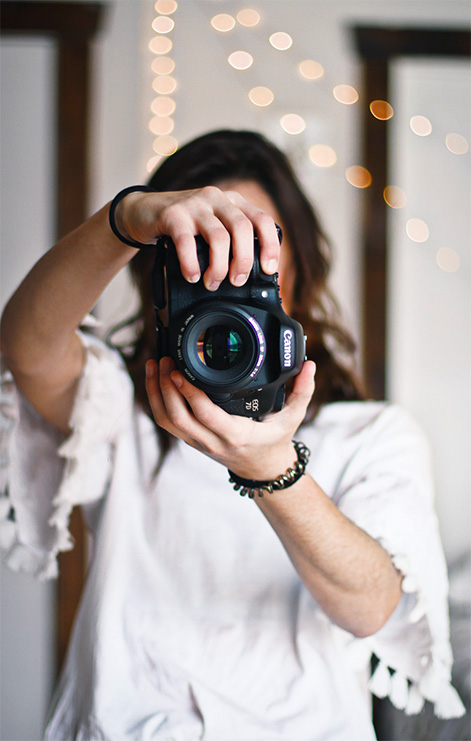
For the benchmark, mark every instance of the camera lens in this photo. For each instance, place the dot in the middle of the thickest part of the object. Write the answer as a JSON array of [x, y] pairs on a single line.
[[220, 347]]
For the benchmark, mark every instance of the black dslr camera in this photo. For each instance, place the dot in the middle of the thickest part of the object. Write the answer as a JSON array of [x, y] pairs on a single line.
[[236, 343]]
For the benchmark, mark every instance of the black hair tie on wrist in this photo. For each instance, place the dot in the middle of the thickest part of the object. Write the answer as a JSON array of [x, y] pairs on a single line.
[[252, 487], [113, 206]]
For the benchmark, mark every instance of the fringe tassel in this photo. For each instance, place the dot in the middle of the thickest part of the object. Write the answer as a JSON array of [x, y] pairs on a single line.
[[399, 694], [448, 704], [415, 702], [380, 681]]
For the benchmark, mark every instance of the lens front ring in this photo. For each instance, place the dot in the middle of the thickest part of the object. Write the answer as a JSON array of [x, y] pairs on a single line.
[[221, 347]]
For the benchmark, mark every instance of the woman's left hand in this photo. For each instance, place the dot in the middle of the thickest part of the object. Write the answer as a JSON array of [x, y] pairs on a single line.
[[256, 450]]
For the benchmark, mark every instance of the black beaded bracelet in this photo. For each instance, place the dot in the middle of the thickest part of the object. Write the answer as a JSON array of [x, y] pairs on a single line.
[[113, 206], [252, 487]]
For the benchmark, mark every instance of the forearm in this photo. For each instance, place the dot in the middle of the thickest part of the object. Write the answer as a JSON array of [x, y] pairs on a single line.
[[41, 317], [347, 572]]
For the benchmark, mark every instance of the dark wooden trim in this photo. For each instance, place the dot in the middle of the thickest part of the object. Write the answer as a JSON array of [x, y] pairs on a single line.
[[377, 47], [63, 19], [375, 42], [71, 25]]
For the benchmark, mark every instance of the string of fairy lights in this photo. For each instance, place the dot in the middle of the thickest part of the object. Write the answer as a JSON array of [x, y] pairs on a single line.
[[321, 155]]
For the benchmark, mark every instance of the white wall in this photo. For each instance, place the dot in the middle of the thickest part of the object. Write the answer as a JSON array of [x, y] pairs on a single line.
[[209, 95]]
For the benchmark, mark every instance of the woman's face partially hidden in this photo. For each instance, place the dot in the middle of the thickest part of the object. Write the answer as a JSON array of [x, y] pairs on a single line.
[[255, 194]]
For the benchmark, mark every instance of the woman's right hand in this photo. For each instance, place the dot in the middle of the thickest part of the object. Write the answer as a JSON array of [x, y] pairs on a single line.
[[221, 217]]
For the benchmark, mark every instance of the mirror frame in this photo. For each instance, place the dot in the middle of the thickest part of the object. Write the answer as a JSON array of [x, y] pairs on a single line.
[[378, 47]]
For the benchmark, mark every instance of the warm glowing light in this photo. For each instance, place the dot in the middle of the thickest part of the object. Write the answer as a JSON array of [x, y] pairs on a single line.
[[160, 45], [448, 260], [358, 176], [345, 94], [311, 70], [417, 230], [261, 96], [166, 7], [164, 84], [292, 123], [381, 110], [248, 17], [161, 125], [165, 145], [240, 60], [322, 155], [163, 24], [223, 22], [456, 143], [281, 40], [420, 125], [163, 66], [394, 196], [153, 162], [163, 106]]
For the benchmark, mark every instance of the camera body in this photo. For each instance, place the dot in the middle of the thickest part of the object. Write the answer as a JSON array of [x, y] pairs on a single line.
[[236, 344]]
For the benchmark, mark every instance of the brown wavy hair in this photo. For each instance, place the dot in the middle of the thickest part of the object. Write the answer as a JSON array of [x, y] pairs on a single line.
[[246, 155]]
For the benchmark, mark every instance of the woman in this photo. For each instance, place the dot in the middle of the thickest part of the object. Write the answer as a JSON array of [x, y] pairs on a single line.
[[204, 615]]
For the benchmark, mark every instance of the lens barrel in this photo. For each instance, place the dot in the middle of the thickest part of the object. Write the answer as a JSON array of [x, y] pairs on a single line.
[[221, 346]]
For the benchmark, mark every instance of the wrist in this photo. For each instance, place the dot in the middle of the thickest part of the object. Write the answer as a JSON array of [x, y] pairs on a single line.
[[117, 221], [284, 480]]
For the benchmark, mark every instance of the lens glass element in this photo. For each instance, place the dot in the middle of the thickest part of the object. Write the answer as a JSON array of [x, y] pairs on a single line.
[[220, 347]]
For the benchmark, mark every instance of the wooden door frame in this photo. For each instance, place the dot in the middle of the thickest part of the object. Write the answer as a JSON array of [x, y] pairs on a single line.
[[71, 26], [378, 47]]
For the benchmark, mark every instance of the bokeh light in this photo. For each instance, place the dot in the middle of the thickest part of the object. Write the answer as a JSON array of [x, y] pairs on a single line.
[[394, 196], [292, 123], [165, 145], [163, 106], [420, 125], [166, 7], [160, 44], [161, 125], [381, 110], [240, 60], [417, 230], [153, 162], [163, 24], [281, 40], [448, 260], [322, 155], [456, 143], [248, 17], [310, 69], [223, 22], [163, 66], [345, 94], [358, 176], [261, 96], [164, 85]]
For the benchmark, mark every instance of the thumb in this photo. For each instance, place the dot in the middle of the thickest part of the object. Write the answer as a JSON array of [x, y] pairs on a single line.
[[302, 391]]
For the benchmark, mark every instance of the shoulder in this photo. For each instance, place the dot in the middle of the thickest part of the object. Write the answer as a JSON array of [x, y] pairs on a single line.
[[367, 424], [352, 441]]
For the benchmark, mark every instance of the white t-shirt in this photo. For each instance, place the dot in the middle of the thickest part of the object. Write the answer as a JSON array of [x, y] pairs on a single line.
[[194, 623]]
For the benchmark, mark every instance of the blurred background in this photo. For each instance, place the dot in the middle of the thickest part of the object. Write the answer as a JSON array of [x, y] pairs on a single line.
[[93, 95]]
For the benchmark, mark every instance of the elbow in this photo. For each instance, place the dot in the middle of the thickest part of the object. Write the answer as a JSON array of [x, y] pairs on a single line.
[[373, 619]]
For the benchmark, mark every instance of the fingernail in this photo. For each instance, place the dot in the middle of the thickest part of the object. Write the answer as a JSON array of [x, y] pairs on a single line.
[[271, 266], [193, 278], [150, 370], [165, 365], [240, 279], [177, 380], [214, 285]]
